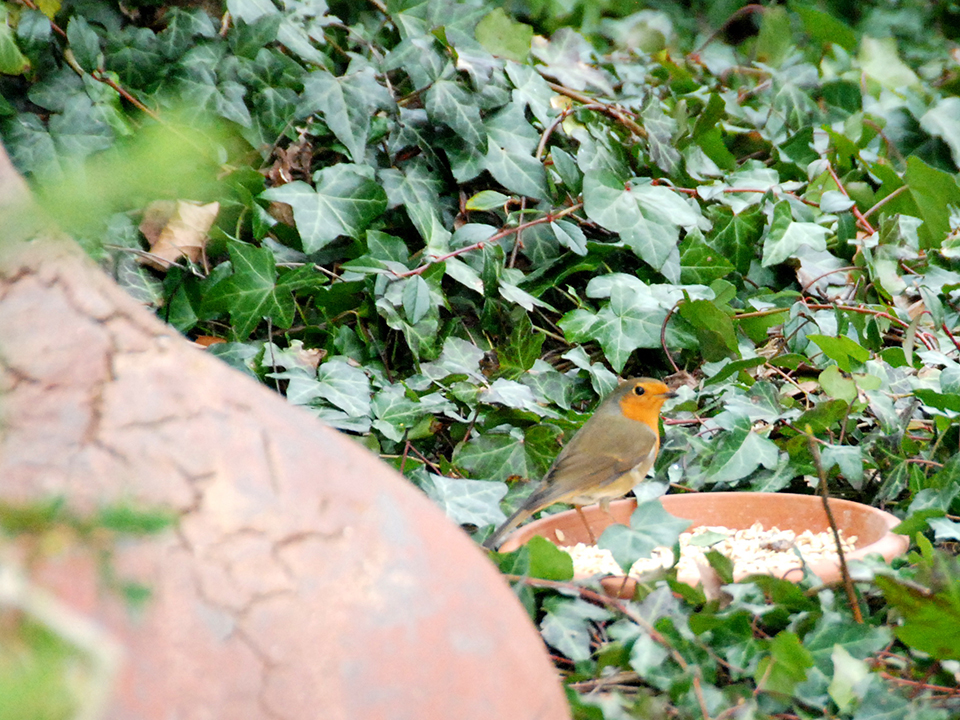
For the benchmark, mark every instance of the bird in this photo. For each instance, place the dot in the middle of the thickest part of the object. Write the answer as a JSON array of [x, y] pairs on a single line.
[[606, 458]]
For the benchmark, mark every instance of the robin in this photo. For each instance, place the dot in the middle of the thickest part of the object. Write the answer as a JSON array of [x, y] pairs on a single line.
[[607, 457]]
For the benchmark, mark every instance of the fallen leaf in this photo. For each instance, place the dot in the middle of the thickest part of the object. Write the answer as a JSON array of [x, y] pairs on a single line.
[[176, 230]]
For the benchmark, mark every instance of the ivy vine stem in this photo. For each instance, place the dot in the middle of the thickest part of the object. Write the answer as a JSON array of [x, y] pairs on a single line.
[[505, 232]]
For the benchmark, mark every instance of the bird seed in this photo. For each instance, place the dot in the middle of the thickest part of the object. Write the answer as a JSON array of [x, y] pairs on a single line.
[[753, 550]]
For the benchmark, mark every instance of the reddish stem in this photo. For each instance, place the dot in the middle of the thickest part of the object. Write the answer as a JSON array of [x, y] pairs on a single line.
[[505, 232], [869, 311], [861, 219]]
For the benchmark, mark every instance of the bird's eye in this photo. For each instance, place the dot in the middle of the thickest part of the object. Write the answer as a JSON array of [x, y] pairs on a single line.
[[639, 389]]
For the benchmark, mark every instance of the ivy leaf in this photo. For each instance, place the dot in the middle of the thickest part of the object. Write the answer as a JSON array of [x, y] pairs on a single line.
[[567, 57], [417, 188], [450, 104], [931, 619], [467, 502], [135, 55], [785, 666], [416, 299], [84, 43], [933, 191], [650, 527], [80, 130], [607, 202], [395, 413], [346, 107], [647, 217], [842, 350], [458, 357], [523, 349], [344, 203], [700, 263], [837, 385], [202, 89], [881, 62], [567, 624], [631, 319], [786, 236], [251, 293], [517, 171], [345, 386], [736, 235], [714, 328], [945, 529], [825, 28], [486, 200], [501, 455], [848, 458], [660, 130], [421, 337], [531, 91], [12, 61], [570, 236], [773, 40], [182, 26], [547, 561], [740, 452], [512, 394]]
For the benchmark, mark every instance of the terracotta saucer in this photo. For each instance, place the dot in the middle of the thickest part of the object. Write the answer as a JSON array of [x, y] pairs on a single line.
[[736, 510]]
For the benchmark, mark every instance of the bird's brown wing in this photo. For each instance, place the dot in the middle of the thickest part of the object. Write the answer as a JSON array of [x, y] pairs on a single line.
[[578, 470]]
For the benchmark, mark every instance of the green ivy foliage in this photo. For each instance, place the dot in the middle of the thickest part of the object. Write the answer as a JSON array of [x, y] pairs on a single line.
[[475, 217]]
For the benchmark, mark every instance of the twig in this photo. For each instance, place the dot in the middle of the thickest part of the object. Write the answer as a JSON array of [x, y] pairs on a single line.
[[109, 82], [432, 465], [745, 10], [564, 114], [611, 110], [663, 337], [825, 494], [869, 311], [406, 451], [948, 691], [760, 313], [730, 191], [518, 242], [885, 200], [506, 232], [803, 290], [861, 220], [950, 335]]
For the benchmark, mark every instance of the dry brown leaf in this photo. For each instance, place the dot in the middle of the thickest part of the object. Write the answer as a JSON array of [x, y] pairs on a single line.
[[307, 357], [206, 341], [292, 163], [176, 230]]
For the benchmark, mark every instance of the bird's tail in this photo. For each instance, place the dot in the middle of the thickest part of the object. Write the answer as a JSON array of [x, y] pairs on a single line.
[[509, 524]]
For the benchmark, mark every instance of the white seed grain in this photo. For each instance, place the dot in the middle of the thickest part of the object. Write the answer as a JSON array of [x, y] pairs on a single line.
[[752, 550]]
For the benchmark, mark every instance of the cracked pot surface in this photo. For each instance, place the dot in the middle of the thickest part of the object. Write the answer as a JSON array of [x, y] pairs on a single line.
[[305, 579]]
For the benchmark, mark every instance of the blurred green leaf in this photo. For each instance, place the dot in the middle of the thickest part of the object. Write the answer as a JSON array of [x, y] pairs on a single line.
[[650, 527], [503, 36], [785, 666]]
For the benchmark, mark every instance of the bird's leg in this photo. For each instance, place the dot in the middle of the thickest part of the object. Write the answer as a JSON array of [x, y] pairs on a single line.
[[605, 506], [593, 539]]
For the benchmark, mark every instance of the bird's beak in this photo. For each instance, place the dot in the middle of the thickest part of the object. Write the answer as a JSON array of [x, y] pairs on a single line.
[[670, 394]]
